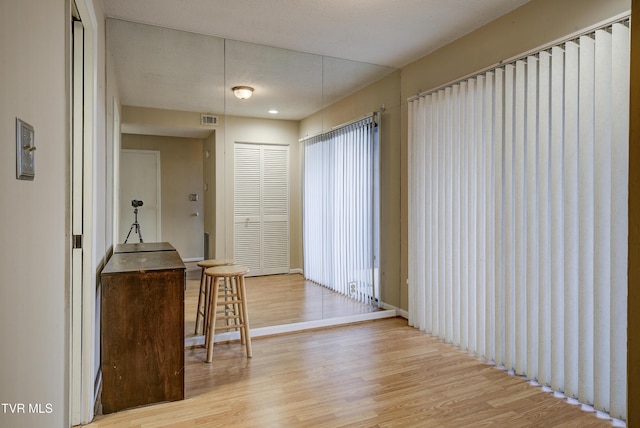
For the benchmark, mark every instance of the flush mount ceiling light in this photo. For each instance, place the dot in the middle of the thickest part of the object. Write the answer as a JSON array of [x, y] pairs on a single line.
[[242, 92]]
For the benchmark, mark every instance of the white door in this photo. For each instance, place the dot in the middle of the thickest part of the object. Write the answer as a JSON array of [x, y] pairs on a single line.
[[139, 181], [261, 208], [77, 199]]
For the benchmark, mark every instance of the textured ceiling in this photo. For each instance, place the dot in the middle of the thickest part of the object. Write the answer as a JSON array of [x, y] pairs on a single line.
[[298, 54]]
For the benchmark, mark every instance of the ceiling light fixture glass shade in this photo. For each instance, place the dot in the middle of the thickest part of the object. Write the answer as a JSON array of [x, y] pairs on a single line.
[[242, 92]]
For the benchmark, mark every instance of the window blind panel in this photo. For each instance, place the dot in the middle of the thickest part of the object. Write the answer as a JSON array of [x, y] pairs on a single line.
[[563, 177], [573, 233], [339, 210], [619, 225], [480, 197], [531, 216], [509, 219], [545, 190], [602, 213], [587, 232], [520, 221], [499, 255], [464, 215], [529, 163]]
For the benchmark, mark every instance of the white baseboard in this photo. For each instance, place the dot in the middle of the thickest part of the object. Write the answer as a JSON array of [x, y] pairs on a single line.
[[297, 270], [288, 328], [399, 312]]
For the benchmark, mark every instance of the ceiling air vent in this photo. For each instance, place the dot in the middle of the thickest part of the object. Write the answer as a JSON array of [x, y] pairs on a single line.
[[208, 120]]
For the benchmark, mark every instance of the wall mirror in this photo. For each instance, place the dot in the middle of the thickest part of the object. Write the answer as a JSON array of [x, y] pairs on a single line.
[[166, 79]]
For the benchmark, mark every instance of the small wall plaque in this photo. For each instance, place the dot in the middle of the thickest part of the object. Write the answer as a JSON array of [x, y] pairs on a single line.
[[25, 151]]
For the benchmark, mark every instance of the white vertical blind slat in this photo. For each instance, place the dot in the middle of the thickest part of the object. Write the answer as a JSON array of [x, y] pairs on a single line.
[[490, 219], [473, 236], [480, 216], [573, 210], [531, 217], [446, 296], [619, 227], [456, 233], [520, 209], [559, 182], [499, 328], [602, 237], [464, 217], [582, 371], [509, 220], [544, 219], [432, 210]]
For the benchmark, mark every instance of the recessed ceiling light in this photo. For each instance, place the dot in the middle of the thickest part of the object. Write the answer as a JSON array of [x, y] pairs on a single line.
[[273, 111]]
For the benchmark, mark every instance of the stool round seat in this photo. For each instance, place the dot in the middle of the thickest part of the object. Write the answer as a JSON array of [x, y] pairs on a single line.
[[215, 262], [226, 271], [230, 280]]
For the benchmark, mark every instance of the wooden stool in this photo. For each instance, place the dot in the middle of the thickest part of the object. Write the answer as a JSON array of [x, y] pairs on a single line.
[[205, 290], [235, 298]]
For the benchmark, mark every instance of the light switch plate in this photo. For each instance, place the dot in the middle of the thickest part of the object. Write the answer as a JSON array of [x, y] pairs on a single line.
[[25, 151]]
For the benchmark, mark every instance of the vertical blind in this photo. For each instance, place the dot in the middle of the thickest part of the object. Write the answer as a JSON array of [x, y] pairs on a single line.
[[339, 210], [518, 216]]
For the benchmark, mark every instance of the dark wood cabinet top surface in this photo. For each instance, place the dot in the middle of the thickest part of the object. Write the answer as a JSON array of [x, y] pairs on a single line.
[[143, 247], [143, 262]]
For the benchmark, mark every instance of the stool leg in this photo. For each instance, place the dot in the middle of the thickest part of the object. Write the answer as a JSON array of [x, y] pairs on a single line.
[[236, 306], [200, 315], [212, 319], [244, 314], [207, 302]]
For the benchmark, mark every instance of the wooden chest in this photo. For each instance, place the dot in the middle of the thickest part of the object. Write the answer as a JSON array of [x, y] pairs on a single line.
[[142, 329]]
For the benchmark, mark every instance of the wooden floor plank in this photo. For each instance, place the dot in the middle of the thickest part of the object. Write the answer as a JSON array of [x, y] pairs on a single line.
[[380, 373]]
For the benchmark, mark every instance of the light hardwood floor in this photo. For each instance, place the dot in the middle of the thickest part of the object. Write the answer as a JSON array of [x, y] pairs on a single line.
[[374, 374]]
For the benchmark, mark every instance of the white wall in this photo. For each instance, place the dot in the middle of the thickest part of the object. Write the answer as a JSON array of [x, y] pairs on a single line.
[[33, 276], [35, 300]]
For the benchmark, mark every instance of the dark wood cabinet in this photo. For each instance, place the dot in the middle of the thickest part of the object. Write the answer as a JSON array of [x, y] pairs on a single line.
[[142, 329]]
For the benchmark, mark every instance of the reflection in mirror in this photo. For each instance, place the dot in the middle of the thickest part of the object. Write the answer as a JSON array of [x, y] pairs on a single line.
[[285, 80], [166, 78], [166, 69]]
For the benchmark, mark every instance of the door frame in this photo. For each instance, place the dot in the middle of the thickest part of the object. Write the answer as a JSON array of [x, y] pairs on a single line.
[[82, 316], [158, 189]]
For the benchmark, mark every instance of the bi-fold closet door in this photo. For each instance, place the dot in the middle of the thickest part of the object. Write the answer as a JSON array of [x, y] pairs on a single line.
[[261, 208]]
